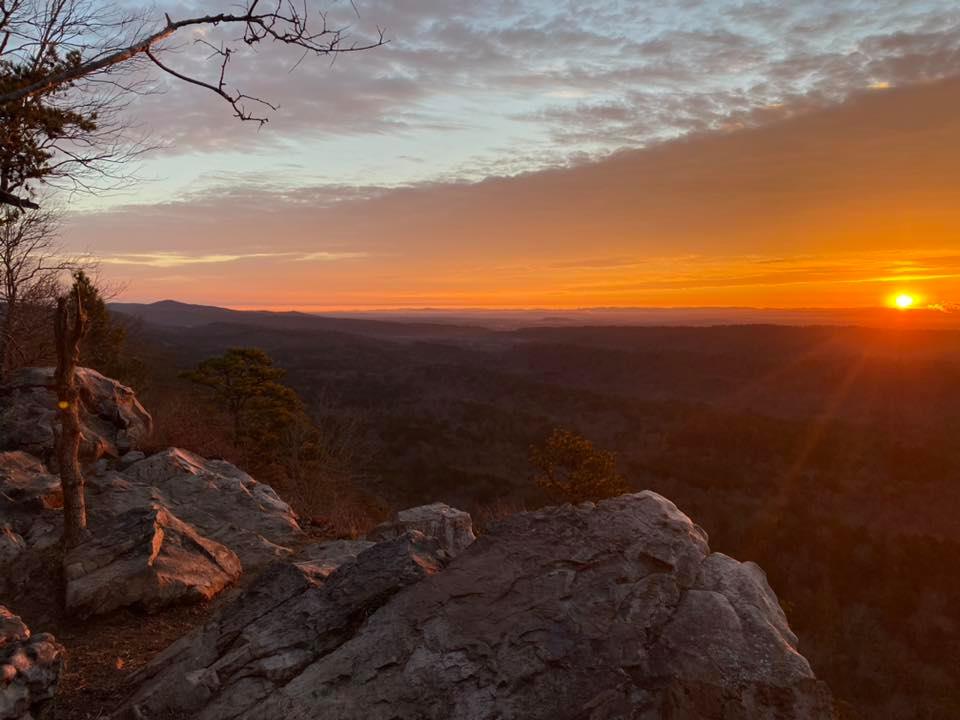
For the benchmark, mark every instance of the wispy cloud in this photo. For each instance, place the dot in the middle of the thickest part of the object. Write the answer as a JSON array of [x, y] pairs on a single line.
[[165, 259], [324, 256]]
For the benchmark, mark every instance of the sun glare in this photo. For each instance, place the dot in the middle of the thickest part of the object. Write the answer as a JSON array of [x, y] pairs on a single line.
[[904, 301]]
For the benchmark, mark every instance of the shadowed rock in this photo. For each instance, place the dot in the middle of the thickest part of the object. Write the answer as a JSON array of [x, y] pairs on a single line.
[[113, 421], [26, 485], [615, 610], [30, 668], [287, 620], [452, 527]]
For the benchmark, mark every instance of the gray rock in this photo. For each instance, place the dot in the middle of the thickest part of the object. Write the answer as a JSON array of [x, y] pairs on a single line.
[[30, 668], [170, 528], [134, 456], [11, 545], [220, 505], [145, 557], [614, 610], [30, 498], [113, 421], [321, 559], [25, 483], [221, 501], [283, 623], [452, 527]]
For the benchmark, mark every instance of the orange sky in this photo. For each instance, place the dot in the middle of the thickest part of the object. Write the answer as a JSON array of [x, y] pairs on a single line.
[[837, 207]]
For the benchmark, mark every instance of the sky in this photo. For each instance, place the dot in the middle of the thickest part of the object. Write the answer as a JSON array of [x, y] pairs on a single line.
[[522, 153]]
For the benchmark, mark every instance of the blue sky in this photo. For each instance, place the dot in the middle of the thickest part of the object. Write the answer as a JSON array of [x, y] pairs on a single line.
[[468, 89]]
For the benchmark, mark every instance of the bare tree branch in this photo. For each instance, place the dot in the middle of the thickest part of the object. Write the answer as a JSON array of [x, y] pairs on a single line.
[[69, 69], [285, 24]]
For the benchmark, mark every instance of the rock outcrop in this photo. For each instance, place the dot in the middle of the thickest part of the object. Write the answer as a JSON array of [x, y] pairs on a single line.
[[223, 502], [169, 528], [452, 527], [614, 610], [113, 421], [30, 668], [145, 557]]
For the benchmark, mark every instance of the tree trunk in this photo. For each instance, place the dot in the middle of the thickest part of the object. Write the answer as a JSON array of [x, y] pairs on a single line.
[[9, 328], [69, 333]]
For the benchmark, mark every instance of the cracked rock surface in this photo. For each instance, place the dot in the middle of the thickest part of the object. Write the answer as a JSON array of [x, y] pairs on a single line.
[[594, 612]]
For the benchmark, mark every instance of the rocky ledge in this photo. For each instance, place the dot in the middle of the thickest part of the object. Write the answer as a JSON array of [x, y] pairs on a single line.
[[614, 610]]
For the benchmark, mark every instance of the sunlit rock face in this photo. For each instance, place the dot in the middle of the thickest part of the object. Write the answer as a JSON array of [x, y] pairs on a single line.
[[221, 501], [30, 667], [170, 528], [614, 610], [163, 529], [148, 558]]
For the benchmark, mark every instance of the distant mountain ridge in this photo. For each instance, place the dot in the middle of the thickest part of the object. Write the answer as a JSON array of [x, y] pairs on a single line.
[[174, 314], [466, 322]]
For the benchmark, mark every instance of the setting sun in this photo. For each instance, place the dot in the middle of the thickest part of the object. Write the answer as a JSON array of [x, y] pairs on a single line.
[[903, 301]]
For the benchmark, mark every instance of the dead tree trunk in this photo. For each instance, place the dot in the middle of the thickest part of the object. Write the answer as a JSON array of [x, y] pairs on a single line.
[[69, 332]]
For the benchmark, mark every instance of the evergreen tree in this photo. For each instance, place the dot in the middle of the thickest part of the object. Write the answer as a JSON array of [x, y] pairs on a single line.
[[103, 345], [569, 468]]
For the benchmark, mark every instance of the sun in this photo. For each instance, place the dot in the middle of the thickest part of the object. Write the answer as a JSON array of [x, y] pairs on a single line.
[[904, 301]]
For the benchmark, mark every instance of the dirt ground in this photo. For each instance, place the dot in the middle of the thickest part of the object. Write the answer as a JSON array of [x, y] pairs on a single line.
[[104, 653]]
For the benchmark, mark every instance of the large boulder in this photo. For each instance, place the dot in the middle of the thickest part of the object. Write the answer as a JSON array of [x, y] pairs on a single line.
[[113, 421], [221, 501], [614, 610], [30, 668], [145, 557], [452, 527]]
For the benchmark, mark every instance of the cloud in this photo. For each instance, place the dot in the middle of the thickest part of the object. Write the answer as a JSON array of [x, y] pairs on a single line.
[[324, 256], [168, 259], [599, 75], [826, 207], [164, 259]]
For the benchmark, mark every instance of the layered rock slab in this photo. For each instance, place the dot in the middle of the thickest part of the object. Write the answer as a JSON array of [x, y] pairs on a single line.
[[30, 667], [221, 501], [145, 557], [288, 618], [615, 610]]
